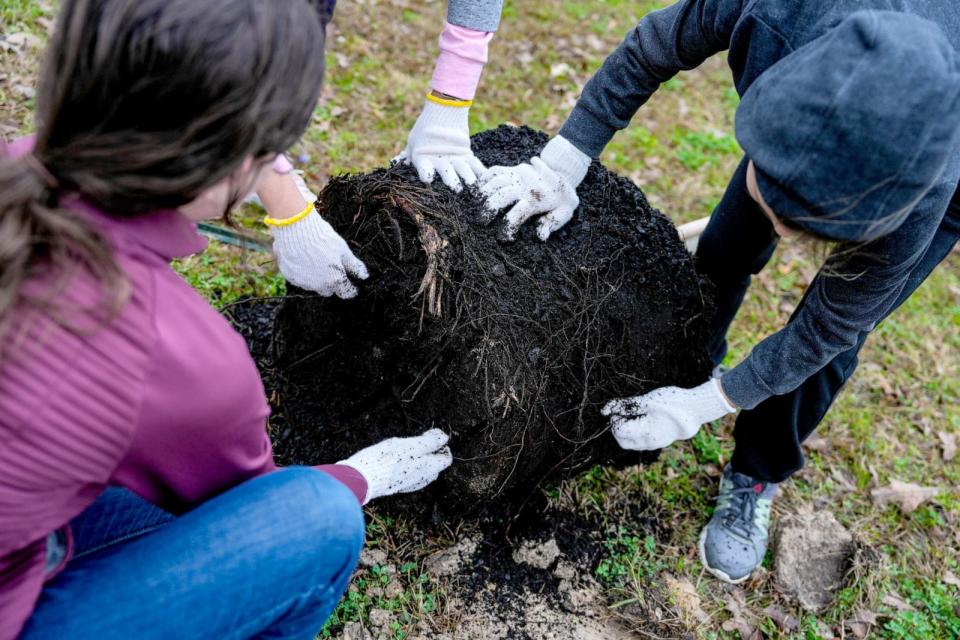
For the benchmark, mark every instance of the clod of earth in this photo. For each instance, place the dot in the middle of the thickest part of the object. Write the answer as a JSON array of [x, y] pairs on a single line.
[[511, 347], [813, 554]]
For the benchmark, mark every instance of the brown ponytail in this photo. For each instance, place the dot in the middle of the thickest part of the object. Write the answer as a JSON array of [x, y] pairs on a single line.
[[142, 105], [35, 235]]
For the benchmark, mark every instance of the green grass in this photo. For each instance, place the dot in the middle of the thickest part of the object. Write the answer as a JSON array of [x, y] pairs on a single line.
[[24, 15]]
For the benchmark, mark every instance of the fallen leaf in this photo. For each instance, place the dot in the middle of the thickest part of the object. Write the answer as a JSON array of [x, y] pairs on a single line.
[[865, 616], [25, 91], [950, 578], [885, 385], [858, 630], [906, 495], [948, 442], [687, 599], [24, 41], [784, 621], [896, 602], [816, 443], [738, 622]]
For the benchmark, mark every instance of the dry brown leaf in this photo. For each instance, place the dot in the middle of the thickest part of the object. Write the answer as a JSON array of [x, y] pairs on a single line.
[[816, 443], [22, 41], [859, 625], [784, 621], [738, 622], [865, 616], [687, 599], [906, 495], [896, 602], [948, 442], [950, 578]]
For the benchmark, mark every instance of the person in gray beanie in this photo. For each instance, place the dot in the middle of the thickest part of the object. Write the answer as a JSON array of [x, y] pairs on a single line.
[[850, 123]]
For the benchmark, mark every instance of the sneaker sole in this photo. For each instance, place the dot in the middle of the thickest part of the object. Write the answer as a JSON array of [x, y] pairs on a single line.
[[715, 572]]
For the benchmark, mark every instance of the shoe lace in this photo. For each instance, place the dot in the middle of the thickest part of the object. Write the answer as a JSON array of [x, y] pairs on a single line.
[[742, 511]]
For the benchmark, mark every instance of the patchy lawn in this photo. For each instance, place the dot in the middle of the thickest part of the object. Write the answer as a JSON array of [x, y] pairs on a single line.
[[895, 421]]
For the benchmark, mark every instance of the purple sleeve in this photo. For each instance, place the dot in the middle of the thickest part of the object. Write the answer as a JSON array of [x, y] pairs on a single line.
[[203, 411], [349, 476], [20, 147]]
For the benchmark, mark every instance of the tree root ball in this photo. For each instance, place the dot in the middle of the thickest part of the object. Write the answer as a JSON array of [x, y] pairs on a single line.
[[511, 347]]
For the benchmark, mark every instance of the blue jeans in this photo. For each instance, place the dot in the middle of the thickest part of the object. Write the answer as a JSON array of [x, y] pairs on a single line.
[[268, 559], [737, 243]]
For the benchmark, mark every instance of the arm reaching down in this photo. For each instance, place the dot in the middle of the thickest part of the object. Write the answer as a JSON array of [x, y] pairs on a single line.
[[401, 465], [310, 253], [664, 43], [439, 143]]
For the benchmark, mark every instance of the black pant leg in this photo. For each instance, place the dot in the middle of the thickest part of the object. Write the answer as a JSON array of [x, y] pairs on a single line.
[[736, 244]]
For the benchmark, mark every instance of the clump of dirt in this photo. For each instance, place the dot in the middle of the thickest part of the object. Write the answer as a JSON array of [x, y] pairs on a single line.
[[510, 347]]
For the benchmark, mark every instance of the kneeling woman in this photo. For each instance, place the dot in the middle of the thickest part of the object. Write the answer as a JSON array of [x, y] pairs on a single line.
[[138, 493]]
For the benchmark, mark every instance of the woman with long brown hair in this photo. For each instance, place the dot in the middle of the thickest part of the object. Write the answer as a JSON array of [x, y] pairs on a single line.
[[138, 493]]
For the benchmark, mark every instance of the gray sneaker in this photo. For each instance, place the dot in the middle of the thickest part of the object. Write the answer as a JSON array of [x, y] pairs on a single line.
[[733, 543]]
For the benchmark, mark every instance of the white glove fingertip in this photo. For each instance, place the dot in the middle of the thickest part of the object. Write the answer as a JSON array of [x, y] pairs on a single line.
[[465, 171], [520, 213], [345, 290], [502, 199], [428, 442], [553, 221], [611, 408], [355, 266], [477, 166], [450, 178], [425, 170], [491, 173]]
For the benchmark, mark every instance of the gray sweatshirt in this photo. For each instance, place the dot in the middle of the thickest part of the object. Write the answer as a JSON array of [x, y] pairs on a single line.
[[479, 15], [757, 34]]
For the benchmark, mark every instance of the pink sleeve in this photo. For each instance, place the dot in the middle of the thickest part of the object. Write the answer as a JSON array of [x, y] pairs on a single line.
[[463, 52], [348, 476]]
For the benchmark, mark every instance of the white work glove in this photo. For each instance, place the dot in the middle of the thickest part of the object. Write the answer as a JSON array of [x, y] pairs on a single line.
[[313, 256], [548, 184], [663, 416], [440, 143], [402, 465]]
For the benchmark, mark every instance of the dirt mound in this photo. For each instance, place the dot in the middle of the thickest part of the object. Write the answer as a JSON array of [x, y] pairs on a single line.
[[511, 347]]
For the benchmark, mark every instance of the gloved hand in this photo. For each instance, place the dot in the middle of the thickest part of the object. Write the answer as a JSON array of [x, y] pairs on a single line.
[[440, 143], [663, 416], [548, 184], [402, 465], [313, 256]]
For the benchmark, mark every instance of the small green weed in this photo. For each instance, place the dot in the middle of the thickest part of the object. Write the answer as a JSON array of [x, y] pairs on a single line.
[[937, 614]]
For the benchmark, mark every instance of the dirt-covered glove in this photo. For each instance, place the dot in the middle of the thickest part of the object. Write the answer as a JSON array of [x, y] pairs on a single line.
[[439, 143], [547, 184], [663, 416], [313, 256], [402, 465]]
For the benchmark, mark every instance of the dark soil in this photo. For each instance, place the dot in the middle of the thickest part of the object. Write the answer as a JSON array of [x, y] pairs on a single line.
[[510, 347]]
